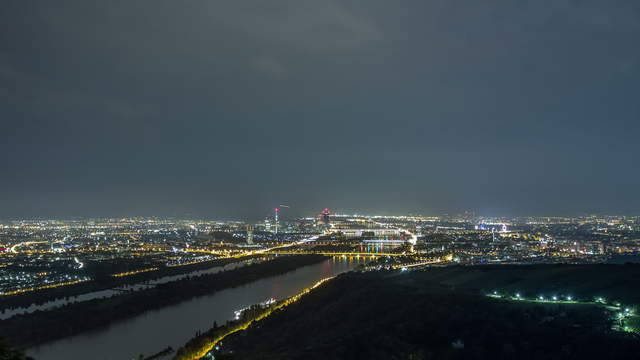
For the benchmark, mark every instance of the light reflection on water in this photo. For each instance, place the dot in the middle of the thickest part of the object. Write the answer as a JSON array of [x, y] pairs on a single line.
[[101, 294], [623, 259], [174, 325]]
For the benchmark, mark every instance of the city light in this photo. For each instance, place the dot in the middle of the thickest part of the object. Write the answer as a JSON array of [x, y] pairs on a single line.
[[134, 272], [622, 315]]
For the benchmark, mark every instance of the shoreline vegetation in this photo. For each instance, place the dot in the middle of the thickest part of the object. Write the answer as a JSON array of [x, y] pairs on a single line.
[[168, 350], [106, 281], [23, 331], [202, 344], [445, 313]]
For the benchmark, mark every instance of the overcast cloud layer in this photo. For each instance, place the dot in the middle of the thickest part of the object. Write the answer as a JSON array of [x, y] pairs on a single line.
[[225, 109]]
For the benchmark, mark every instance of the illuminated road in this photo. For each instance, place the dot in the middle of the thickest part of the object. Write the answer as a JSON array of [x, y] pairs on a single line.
[[14, 248], [348, 254], [418, 264], [622, 314]]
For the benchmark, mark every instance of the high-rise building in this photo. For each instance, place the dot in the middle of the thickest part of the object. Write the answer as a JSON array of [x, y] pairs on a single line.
[[250, 234], [325, 216]]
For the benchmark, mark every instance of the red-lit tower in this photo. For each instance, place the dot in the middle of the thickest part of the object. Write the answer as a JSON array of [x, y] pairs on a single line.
[[325, 216]]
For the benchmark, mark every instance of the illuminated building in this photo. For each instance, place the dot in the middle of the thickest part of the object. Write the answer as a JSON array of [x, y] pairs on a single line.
[[325, 216], [250, 234]]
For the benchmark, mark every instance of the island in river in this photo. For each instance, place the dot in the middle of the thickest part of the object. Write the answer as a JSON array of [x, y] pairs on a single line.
[[43, 326]]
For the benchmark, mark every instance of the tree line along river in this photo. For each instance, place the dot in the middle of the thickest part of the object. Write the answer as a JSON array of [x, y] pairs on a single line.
[[7, 313], [174, 325]]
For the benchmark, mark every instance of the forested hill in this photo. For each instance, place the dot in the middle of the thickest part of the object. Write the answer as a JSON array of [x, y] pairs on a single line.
[[444, 313]]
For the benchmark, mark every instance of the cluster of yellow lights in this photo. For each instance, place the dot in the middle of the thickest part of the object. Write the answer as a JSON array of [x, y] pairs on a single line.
[[349, 254], [245, 324], [50, 286], [192, 262], [417, 264], [128, 273]]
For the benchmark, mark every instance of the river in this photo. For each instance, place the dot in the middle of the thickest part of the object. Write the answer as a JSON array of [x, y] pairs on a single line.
[[8, 313], [623, 259], [174, 325]]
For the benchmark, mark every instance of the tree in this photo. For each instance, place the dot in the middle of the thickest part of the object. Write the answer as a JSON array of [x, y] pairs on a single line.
[[6, 353]]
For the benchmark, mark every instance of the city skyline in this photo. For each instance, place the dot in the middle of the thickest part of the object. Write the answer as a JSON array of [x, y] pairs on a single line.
[[305, 179], [268, 214]]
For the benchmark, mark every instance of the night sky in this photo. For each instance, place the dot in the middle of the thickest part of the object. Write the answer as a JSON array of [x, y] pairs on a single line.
[[226, 109]]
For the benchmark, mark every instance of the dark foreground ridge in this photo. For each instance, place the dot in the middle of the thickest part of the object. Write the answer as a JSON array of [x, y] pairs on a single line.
[[444, 313], [7, 353], [27, 330]]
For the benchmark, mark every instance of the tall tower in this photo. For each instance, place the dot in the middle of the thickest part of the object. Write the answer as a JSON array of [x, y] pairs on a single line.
[[276, 212], [249, 234], [325, 216]]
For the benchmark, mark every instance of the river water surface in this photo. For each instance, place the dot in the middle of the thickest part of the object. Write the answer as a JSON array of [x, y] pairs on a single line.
[[101, 294], [174, 325]]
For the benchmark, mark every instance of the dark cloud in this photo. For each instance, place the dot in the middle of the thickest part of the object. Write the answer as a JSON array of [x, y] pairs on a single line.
[[227, 108]]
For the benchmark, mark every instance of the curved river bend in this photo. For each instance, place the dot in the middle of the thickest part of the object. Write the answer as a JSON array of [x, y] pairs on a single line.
[[174, 325]]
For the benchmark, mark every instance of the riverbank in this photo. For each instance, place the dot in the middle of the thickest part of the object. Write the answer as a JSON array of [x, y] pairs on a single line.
[[39, 327], [106, 282], [633, 258], [445, 313], [127, 288], [202, 344], [174, 325]]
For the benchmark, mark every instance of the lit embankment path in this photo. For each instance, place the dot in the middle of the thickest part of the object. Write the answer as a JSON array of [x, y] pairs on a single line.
[[43, 287], [622, 314], [418, 264], [234, 328]]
